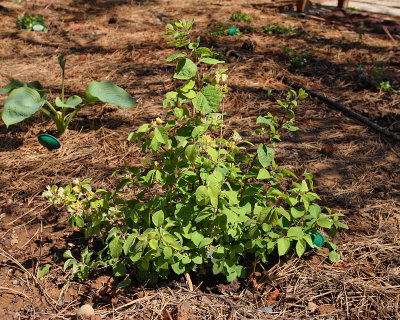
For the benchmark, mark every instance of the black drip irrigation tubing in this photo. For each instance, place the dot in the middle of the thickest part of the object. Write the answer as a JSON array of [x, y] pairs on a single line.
[[349, 113]]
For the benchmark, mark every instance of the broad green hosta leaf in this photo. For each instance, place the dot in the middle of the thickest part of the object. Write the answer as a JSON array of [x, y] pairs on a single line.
[[109, 93], [21, 104], [14, 84], [208, 99], [72, 102], [185, 69]]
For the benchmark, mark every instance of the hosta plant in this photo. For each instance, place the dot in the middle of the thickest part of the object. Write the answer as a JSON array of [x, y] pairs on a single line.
[[201, 200], [27, 98]]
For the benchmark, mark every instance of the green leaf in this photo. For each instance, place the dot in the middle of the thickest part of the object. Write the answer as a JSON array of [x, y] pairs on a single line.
[[158, 218], [289, 127], [280, 210], [79, 221], [202, 197], [199, 130], [300, 247], [43, 271], [175, 56], [325, 222], [213, 192], [196, 237], [178, 267], [155, 144], [185, 69], [263, 174], [72, 102], [204, 52], [302, 94], [119, 269], [265, 155], [201, 104], [161, 135], [14, 84], [62, 61], [283, 246], [297, 212], [315, 211], [213, 96], [115, 247], [210, 61], [188, 85], [21, 104], [153, 243], [191, 152], [167, 253], [296, 232], [129, 242], [213, 153], [68, 254], [197, 260], [334, 257], [124, 284], [108, 92]]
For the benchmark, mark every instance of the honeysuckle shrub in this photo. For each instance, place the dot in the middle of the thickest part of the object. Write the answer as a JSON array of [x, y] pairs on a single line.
[[202, 201]]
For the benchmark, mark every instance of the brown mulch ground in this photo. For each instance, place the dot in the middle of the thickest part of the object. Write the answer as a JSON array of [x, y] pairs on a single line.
[[357, 171]]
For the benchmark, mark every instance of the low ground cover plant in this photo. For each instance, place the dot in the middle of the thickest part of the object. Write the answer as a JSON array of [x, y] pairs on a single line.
[[239, 16], [223, 29], [299, 58], [201, 200], [27, 21], [27, 98], [278, 28]]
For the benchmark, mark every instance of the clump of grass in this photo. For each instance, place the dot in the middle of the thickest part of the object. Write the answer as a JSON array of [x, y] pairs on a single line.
[[278, 28], [240, 17]]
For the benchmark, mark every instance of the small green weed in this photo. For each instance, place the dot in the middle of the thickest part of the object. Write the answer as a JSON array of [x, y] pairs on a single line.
[[298, 59], [28, 20], [222, 29], [387, 87], [278, 28], [240, 17]]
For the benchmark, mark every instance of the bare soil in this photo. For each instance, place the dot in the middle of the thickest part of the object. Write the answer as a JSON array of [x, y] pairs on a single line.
[[356, 170]]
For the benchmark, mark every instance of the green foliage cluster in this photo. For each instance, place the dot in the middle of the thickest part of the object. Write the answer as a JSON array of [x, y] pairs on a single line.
[[202, 201], [374, 79], [222, 29], [240, 17], [26, 98], [278, 28], [298, 59], [28, 20]]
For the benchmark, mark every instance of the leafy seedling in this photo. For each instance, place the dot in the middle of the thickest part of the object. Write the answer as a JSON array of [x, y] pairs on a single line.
[[27, 98]]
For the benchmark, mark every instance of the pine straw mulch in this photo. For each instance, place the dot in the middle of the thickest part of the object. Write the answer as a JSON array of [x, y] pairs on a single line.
[[356, 170]]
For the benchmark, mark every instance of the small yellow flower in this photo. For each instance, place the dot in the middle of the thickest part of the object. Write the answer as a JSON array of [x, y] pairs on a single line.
[[77, 189], [76, 205], [159, 121]]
